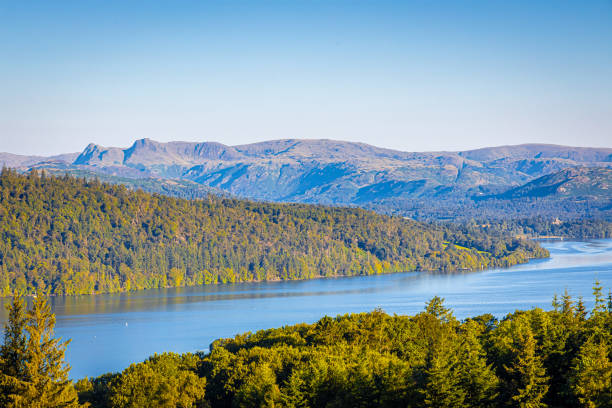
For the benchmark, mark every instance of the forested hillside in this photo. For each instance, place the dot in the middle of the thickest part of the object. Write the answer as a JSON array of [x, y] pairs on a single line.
[[63, 235], [534, 358]]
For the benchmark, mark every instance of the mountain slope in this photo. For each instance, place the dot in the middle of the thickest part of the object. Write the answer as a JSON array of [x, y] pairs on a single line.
[[579, 182], [344, 173], [64, 235], [16, 160], [334, 172], [169, 187], [575, 193]]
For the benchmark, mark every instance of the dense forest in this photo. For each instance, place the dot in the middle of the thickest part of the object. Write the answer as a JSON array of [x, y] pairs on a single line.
[[65, 235], [533, 358]]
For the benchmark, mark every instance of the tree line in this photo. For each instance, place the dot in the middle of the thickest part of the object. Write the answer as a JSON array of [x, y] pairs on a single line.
[[67, 235], [532, 358]]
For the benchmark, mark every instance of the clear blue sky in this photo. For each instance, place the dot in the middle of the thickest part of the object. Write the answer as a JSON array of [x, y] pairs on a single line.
[[411, 75]]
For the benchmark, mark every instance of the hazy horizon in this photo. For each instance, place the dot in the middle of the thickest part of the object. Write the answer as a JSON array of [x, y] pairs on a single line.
[[410, 76]]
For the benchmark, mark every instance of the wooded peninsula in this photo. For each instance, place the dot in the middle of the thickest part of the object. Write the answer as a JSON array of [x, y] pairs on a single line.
[[68, 236]]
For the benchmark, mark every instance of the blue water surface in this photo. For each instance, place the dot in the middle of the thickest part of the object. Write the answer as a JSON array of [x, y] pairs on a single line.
[[109, 332]]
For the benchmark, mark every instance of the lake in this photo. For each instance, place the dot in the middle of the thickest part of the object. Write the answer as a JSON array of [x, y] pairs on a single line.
[[109, 332]]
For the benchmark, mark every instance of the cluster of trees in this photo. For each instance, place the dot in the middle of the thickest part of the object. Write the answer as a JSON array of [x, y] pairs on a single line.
[[534, 358], [64, 236]]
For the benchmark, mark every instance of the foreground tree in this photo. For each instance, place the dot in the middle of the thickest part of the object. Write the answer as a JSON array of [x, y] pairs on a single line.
[[442, 387], [525, 382], [165, 381], [43, 382], [477, 377], [592, 375], [13, 350]]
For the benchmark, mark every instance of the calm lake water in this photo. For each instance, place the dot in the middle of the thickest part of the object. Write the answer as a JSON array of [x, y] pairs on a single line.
[[109, 332]]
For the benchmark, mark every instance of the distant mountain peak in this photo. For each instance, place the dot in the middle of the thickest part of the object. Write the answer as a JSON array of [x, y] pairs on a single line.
[[97, 155], [332, 171], [147, 143]]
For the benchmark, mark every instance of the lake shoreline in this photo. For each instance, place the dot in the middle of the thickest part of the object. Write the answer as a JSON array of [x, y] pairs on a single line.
[[190, 318], [273, 280]]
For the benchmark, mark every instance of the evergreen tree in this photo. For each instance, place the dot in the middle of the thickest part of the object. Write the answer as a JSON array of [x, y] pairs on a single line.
[[555, 303], [568, 304], [436, 308], [592, 375], [442, 386], [600, 304], [164, 381], [13, 350], [476, 376], [581, 311], [599, 315], [526, 380], [442, 383], [46, 383]]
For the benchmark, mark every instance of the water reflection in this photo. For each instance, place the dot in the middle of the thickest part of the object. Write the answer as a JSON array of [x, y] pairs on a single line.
[[169, 301], [172, 299]]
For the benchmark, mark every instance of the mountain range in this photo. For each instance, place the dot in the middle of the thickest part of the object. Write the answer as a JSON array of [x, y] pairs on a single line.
[[337, 172]]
